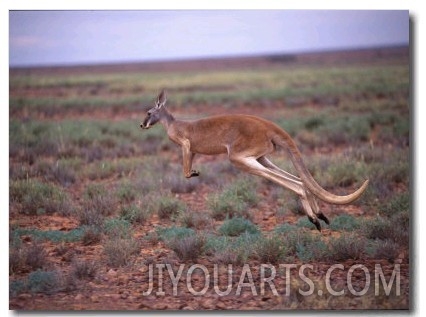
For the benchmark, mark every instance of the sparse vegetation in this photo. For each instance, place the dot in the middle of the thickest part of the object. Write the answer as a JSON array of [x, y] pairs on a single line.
[[120, 251], [35, 197], [234, 200], [270, 250], [83, 270], [169, 207], [134, 214], [237, 226], [195, 219], [44, 281], [188, 248], [347, 247], [91, 196], [344, 222], [92, 235]]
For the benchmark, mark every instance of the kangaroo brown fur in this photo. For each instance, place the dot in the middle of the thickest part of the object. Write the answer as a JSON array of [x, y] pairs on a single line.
[[247, 140]]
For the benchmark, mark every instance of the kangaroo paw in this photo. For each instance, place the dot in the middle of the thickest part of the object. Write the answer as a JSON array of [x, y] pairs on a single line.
[[324, 218], [316, 223], [193, 174]]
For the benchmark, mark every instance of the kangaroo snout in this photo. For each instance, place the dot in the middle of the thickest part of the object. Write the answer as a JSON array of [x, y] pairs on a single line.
[[144, 125]]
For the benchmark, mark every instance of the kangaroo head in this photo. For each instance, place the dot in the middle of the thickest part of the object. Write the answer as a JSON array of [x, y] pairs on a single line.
[[154, 114]]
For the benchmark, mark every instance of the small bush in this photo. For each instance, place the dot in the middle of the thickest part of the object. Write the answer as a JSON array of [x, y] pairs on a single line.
[[36, 197], [169, 206], [174, 233], [226, 205], [386, 249], [83, 270], [234, 200], [117, 228], [232, 250], [304, 245], [342, 172], [347, 247], [90, 217], [344, 222], [237, 226], [43, 282], [188, 248], [230, 255], [22, 258], [284, 228], [270, 250], [92, 235], [98, 199], [197, 220], [382, 229], [119, 251], [305, 223], [17, 287], [60, 172], [315, 250], [51, 235], [134, 214], [17, 259], [397, 205], [126, 193], [35, 256]]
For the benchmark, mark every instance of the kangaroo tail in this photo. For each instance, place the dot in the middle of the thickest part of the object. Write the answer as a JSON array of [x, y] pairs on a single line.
[[283, 139]]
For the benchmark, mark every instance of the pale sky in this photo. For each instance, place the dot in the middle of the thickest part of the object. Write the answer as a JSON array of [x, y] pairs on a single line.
[[84, 37]]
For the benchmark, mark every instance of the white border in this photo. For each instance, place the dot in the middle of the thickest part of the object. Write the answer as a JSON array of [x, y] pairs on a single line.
[[417, 277]]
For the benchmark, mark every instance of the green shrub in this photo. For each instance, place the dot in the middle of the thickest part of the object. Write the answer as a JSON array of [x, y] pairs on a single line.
[[270, 249], [82, 269], [51, 235], [43, 282], [17, 259], [234, 200], [194, 219], [99, 199], [344, 222], [384, 249], [17, 287], [117, 228], [189, 247], [398, 204], [379, 228], [134, 214], [237, 226], [232, 250], [126, 192], [346, 247], [119, 251], [36, 197], [231, 255], [168, 207], [305, 223], [91, 235], [304, 245], [90, 217], [36, 257], [174, 233]]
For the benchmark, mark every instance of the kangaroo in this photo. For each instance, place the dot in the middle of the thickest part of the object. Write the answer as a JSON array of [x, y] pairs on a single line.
[[247, 140]]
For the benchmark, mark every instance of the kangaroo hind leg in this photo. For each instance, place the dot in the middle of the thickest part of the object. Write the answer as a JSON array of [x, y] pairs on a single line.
[[252, 166], [311, 198]]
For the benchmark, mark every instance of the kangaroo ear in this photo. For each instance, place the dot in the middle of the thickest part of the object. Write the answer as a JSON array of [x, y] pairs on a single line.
[[161, 99]]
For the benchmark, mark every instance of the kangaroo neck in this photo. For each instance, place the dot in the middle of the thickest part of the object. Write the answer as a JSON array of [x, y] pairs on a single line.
[[166, 119]]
